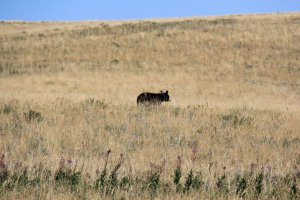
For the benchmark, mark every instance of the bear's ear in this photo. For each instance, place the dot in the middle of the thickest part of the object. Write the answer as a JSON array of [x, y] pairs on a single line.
[[167, 92], [161, 91]]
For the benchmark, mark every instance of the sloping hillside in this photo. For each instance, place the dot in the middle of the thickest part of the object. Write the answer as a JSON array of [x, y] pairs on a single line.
[[70, 127], [204, 57]]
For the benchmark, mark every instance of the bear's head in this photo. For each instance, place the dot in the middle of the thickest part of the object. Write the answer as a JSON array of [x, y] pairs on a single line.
[[165, 96]]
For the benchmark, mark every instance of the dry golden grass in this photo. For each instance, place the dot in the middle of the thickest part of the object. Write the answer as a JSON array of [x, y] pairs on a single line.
[[234, 83]]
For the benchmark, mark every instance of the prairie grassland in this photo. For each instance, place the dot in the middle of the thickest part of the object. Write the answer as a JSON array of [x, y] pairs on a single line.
[[68, 89]]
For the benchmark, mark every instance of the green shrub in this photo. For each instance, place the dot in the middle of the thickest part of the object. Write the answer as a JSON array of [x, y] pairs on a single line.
[[153, 182], [188, 182], [101, 181], [241, 186], [236, 119], [222, 185], [125, 183], [197, 182], [7, 109], [177, 175], [259, 184], [67, 176], [33, 116]]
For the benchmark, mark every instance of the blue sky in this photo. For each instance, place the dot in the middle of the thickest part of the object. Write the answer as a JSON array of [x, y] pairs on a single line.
[[49, 10]]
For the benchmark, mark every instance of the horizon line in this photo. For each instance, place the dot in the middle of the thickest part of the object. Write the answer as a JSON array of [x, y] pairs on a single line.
[[155, 18]]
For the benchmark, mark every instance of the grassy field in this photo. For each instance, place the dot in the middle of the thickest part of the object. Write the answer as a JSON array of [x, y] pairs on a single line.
[[70, 127]]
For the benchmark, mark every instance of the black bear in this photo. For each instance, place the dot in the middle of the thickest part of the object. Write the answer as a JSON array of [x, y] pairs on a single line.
[[153, 98]]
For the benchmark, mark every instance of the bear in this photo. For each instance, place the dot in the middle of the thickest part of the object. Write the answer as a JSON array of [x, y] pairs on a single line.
[[153, 98]]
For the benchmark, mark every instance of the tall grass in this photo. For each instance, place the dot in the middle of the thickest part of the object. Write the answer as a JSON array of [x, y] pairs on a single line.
[[214, 150], [70, 127]]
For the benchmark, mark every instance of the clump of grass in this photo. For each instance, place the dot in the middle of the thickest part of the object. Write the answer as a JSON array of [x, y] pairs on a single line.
[[22, 178], [101, 180], [109, 185], [7, 109], [66, 175], [259, 184], [91, 102], [154, 176], [3, 170], [291, 182], [125, 183], [153, 181], [113, 178], [177, 174], [188, 182], [237, 120], [32, 115], [16, 178], [222, 183], [197, 181], [241, 186]]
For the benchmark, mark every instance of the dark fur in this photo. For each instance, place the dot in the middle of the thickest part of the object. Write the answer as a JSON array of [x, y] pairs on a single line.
[[153, 98]]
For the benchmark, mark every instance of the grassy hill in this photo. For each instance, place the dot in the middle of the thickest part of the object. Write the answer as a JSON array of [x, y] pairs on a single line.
[[68, 92]]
